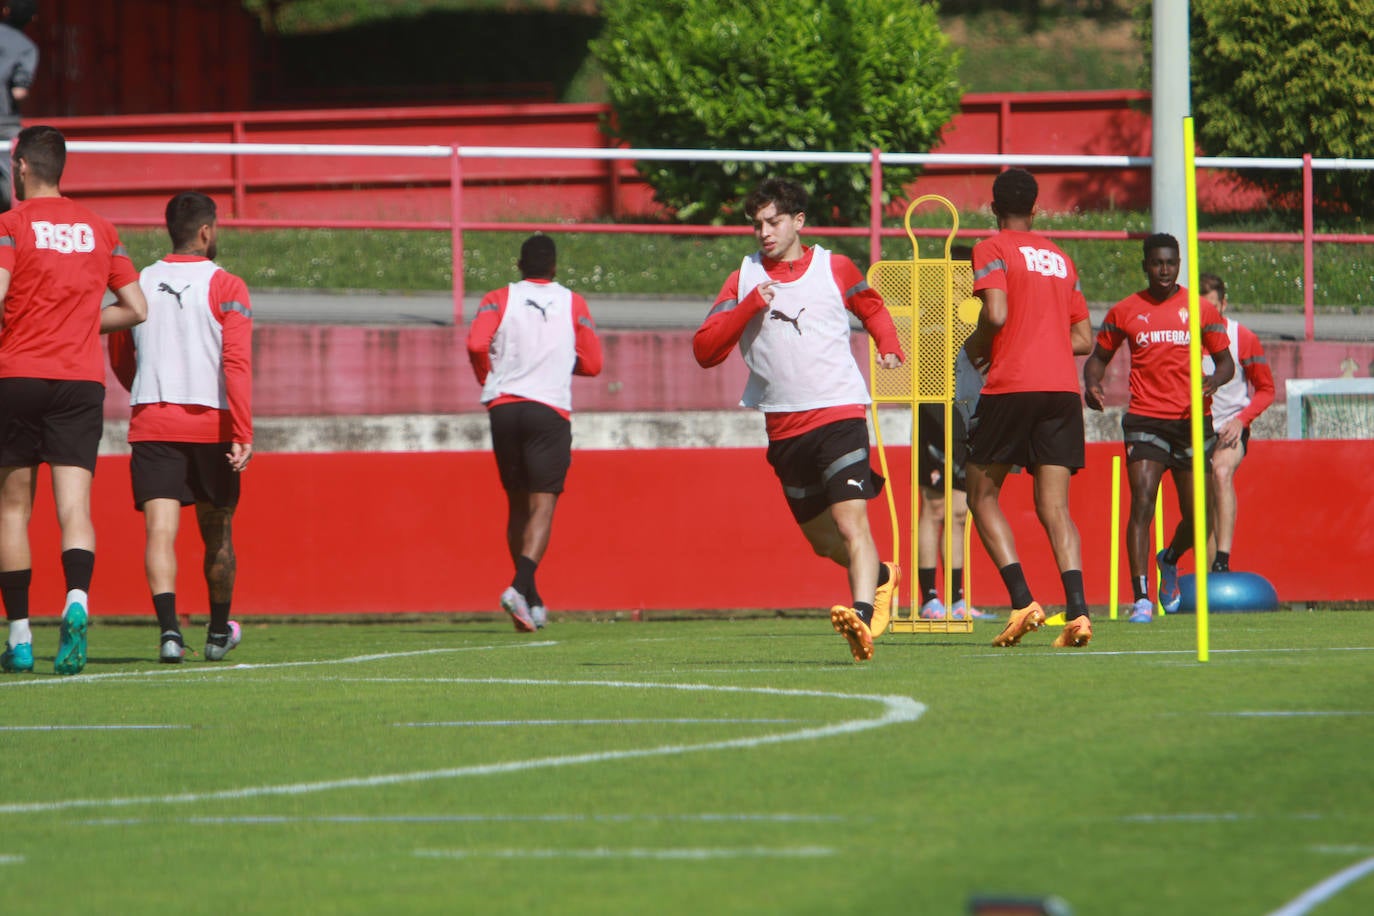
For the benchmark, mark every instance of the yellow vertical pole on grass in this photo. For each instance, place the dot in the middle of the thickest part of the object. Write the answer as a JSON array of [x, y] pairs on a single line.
[[1195, 374], [1159, 541], [1114, 555]]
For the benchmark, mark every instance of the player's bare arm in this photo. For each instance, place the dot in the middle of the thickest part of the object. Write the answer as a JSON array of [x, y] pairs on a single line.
[[1094, 370], [128, 309], [1081, 335]]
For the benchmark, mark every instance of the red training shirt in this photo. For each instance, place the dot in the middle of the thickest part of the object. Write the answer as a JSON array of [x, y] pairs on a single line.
[[61, 258]]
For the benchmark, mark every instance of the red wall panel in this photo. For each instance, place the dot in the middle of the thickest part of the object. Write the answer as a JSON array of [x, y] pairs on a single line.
[[378, 533]]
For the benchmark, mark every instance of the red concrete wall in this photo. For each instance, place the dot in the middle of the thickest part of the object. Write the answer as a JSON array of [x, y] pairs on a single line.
[[377, 533], [345, 370]]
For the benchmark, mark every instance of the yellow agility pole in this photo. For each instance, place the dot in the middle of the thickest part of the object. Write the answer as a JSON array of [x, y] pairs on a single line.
[[932, 305], [1195, 375], [1114, 555], [1159, 543]]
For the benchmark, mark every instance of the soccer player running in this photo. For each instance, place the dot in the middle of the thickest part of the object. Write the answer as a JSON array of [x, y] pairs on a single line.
[[1234, 408], [526, 343], [1157, 429], [189, 372], [57, 258], [1034, 320], [787, 308]]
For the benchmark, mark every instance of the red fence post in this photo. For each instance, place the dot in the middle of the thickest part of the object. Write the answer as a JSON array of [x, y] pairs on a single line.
[[1309, 271], [875, 210], [236, 171], [455, 186]]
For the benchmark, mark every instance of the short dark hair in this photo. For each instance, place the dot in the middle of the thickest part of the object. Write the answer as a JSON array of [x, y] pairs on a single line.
[[1014, 193], [784, 193], [1208, 282], [44, 149], [20, 12], [538, 257], [1159, 240], [186, 213]]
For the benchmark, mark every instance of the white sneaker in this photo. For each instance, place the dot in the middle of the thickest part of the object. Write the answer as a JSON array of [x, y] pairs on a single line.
[[934, 609], [215, 650], [540, 615], [173, 649], [1142, 611], [514, 604]]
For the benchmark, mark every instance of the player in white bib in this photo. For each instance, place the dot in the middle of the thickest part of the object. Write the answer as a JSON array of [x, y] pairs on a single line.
[[189, 371], [1234, 408], [526, 343], [787, 308]]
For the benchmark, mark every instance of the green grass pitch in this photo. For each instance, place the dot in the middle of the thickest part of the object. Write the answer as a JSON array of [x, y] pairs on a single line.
[[703, 766]]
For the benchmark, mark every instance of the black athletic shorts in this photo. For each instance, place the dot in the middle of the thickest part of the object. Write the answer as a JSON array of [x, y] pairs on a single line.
[[50, 420], [930, 464], [1169, 442], [828, 465], [533, 446], [189, 472], [1028, 429]]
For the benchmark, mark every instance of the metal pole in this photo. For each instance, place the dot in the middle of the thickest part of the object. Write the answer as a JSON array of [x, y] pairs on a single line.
[[455, 182], [1171, 104], [1309, 271]]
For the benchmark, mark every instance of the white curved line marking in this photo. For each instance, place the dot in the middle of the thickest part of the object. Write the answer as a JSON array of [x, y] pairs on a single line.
[[1318, 894], [896, 710], [211, 669], [696, 854]]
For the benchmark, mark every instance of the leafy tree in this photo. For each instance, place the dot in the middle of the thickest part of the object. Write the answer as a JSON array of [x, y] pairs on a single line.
[[1283, 79], [813, 75]]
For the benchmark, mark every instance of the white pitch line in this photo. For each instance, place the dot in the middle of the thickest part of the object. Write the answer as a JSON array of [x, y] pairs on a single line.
[[507, 723], [1212, 817], [11, 859], [896, 710], [269, 820], [198, 672], [86, 728], [1319, 893], [1109, 653], [681, 854], [1293, 713]]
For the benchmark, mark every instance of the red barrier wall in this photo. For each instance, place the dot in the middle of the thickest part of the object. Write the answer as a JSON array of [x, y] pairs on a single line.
[[682, 529]]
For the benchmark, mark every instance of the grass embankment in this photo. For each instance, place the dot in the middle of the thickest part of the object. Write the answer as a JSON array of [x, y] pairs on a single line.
[[1259, 275]]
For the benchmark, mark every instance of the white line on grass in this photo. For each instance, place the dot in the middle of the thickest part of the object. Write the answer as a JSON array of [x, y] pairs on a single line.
[[1292, 713], [85, 728], [11, 859], [1319, 893], [896, 710], [675, 854], [275, 819], [202, 671], [508, 723], [1210, 817], [1344, 850]]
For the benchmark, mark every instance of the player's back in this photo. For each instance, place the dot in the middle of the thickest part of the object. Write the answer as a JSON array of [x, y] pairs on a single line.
[[61, 257], [1033, 351]]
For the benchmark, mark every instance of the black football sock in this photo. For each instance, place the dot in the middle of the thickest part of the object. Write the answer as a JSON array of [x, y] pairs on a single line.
[[165, 607], [958, 573], [925, 577], [524, 575], [865, 611], [1073, 594], [1222, 562], [883, 575], [14, 591], [1139, 590], [78, 566], [219, 618], [1017, 589]]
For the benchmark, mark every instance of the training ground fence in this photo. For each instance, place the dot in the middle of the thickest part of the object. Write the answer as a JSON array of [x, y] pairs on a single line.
[[460, 159]]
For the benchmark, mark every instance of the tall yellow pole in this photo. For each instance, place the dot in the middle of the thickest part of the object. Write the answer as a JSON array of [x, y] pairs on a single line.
[[1114, 554], [1195, 372]]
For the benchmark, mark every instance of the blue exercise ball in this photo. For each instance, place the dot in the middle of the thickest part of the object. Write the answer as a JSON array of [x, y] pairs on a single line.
[[1229, 592]]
